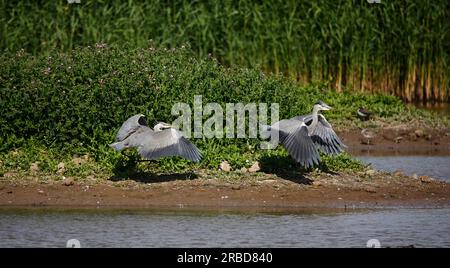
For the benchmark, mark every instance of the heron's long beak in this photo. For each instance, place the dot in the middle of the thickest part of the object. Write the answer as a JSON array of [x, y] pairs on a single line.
[[326, 107]]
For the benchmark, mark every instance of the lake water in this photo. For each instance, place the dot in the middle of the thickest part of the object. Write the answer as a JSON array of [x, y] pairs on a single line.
[[440, 109], [433, 166], [393, 228]]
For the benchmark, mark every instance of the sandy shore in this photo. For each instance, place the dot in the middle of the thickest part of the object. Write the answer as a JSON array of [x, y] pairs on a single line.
[[216, 189], [250, 190], [399, 141]]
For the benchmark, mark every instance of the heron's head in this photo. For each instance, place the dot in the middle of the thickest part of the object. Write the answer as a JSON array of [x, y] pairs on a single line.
[[321, 106], [161, 126]]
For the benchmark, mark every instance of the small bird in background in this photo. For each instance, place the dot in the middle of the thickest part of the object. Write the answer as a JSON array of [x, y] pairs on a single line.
[[363, 114], [368, 135]]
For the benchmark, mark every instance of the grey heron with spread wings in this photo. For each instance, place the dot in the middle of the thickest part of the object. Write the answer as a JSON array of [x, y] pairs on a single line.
[[161, 141], [305, 135]]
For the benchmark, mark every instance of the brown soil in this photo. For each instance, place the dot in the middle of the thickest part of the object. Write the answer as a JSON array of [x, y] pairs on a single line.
[[400, 140], [234, 189]]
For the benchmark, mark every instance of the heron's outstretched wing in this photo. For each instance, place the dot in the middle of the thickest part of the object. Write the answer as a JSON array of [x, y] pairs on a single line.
[[168, 142], [133, 139], [293, 134], [130, 126], [325, 137], [302, 118], [301, 147], [284, 128]]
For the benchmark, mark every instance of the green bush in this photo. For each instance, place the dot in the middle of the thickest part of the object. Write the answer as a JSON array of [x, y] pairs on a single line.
[[75, 102]]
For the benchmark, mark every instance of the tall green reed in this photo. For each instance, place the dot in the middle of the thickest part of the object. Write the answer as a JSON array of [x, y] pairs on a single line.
[[394, 47]]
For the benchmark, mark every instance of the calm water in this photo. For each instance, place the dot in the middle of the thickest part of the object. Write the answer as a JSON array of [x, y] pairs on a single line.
[[442, 109], [433, 166], [399, 227]]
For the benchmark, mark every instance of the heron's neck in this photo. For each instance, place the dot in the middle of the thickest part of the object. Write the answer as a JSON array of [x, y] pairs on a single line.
[[315, 116]]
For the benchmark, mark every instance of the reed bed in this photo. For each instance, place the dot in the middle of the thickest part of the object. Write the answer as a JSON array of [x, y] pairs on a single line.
[[394, 47]]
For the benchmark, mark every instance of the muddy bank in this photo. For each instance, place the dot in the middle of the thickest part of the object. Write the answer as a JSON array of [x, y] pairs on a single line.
[[398, 140], [214, 189]]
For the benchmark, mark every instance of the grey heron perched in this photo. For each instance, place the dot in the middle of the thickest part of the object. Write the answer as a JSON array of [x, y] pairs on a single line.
[[303, 136], [162, 141]]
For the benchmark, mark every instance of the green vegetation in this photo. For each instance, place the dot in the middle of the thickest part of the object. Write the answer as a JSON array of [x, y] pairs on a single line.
[[71, 104], [394, 47]]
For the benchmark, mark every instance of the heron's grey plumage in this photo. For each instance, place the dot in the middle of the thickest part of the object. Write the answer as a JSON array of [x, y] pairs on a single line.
[[156, 144], [293, 135], [303, 136], [301, 147], [324, 136], [168, 142], [130, 126]]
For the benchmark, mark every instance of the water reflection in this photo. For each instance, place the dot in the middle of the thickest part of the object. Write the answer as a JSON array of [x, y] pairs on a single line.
[[438, 108]]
